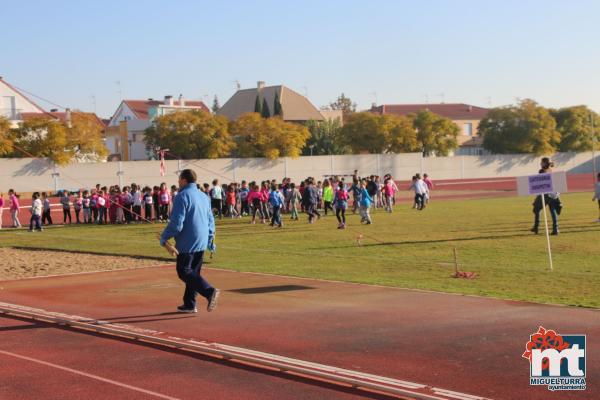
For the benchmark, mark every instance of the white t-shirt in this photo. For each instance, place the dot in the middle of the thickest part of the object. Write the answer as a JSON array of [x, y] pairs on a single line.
[[36, 207]]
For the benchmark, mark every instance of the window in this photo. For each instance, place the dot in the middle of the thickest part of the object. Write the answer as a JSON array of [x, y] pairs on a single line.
[[468, 129]]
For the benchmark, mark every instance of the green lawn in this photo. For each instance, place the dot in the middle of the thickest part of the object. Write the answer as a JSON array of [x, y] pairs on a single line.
[[406, 249]]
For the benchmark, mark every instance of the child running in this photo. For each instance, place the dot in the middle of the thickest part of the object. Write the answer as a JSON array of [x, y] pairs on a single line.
[[276, 201], [341, 203], [365, 203]]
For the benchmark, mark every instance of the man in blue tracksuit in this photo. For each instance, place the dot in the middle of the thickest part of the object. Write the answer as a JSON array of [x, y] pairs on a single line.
[[192, 225]]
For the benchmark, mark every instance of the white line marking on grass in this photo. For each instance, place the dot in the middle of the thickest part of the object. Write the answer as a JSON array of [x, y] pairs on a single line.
[[92, 376]]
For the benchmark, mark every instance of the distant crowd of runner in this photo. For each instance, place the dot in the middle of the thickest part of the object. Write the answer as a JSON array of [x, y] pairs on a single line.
[[261, 201]]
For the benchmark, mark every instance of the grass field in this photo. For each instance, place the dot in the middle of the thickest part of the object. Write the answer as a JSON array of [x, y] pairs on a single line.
[[405, 249]]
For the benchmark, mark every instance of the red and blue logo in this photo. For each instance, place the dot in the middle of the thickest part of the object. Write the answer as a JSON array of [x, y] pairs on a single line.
[[556, 361]]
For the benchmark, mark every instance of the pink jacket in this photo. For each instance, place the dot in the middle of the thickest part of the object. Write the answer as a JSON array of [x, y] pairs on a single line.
[[14, 202]]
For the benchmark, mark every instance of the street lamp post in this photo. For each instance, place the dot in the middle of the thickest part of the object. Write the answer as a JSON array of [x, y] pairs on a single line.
[[312, 146]]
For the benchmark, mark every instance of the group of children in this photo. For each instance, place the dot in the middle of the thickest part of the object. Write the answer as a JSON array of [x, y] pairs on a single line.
[[263, 201], [267, 200]]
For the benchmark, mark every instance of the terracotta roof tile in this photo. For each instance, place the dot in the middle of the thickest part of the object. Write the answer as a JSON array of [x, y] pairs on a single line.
[[454, 111]]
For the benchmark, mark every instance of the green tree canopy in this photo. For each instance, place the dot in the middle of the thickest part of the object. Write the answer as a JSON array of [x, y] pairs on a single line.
[[326, 138], [85, 137], [44, 137], [575, 127], [191, 134], [267, 137], [524, 128], [435, 134], [345, 104], [366, 132]]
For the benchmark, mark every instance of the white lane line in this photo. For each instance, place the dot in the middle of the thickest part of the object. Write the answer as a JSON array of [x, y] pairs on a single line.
[[96, 377]]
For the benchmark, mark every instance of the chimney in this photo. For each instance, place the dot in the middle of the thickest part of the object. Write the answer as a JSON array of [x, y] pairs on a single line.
[[260, 85], [470, 108], [181, 101], [68, 117], [168, 101]]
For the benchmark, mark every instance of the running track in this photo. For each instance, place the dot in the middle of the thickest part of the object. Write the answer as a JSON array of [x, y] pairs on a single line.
[[467, 344]]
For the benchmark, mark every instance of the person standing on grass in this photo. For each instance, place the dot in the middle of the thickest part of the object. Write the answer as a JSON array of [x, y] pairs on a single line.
[[85, 203], [13, 199], [429, 184], [295, 199], [276, 200], [365, 203], [77, 205], [254, 199], [355, 190], [101, 205], [216, 194], [310, 199], [66, 206], [136, 197], [327, 196], [552, 201], [36, 213], [192, 224], [596, 194], [341, 203], [148, 201], [164, 199], [388, 191]]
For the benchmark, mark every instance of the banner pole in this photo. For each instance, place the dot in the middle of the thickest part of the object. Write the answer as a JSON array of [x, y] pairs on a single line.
[[547, 233]]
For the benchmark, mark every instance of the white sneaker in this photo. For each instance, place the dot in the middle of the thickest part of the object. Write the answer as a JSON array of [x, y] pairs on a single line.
[[214, 299]]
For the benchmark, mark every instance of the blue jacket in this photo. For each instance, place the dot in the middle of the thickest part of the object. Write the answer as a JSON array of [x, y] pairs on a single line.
[[275, 199], [191, 221], [365, 198]]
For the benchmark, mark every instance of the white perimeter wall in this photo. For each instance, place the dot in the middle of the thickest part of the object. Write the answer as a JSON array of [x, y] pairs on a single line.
[[27, 175]]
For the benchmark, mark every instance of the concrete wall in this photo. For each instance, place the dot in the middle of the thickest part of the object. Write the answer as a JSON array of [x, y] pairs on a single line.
[[26, 174]]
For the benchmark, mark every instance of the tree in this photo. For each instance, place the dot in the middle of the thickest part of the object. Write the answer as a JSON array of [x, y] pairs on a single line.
[[366, 132], [191, 134], [44, 137], [343, 103], [277, 110], [6, 137], [402, 134], [258, 104], [85, 137], [267, 137], [524, 128], [265, 109], [325, 138], [435, 134], [215, 106], [575, 127], [363, 133]]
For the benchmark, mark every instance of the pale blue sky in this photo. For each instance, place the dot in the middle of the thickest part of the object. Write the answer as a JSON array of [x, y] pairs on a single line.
[[478, 52]]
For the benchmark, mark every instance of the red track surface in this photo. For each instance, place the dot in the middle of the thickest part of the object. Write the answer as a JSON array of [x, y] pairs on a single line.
[[467, 344]]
